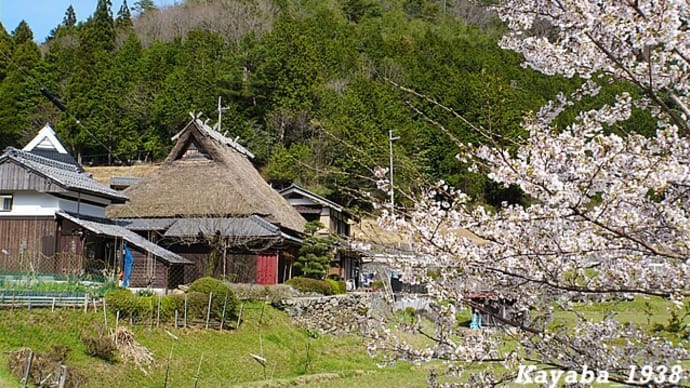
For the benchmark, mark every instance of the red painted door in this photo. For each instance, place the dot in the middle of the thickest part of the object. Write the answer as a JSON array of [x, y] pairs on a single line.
[[267, 269]]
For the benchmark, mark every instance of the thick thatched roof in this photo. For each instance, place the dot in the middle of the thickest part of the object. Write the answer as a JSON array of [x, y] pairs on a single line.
[[206, 174]]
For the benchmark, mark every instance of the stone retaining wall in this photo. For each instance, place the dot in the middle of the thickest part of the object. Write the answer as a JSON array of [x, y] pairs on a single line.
[[352, 313]]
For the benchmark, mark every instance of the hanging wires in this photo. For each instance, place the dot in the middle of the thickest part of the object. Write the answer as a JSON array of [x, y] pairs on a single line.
[[59, 105]]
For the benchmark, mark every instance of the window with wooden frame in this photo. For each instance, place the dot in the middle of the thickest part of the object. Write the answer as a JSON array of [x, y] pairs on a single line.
[[5, 202]]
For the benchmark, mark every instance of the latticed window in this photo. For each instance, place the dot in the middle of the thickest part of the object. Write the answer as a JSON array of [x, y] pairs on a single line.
[[5, 202]]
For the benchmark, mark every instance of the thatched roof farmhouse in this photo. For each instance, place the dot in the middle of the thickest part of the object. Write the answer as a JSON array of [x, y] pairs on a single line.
[[202, 198], [207, 174]]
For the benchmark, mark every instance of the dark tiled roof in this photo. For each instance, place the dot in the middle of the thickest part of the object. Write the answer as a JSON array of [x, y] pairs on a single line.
[[69, 176], [106, 227], [299, 190], [56, 156], [238, 227]]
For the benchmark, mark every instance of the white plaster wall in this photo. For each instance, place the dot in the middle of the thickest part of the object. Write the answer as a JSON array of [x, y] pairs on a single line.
[[32, 203], [83, 208]]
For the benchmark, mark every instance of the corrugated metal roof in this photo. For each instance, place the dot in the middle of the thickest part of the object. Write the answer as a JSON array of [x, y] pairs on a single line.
[[67, 175], [123, 181], [146, 223], [107, 228], [242, 227]]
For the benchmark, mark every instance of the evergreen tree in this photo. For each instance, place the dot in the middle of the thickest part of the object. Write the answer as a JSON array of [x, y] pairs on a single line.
[[143, 6], [100, 28], [315, 253], [124, 16], [6, 46], [22, 33], [87, 87], [70, 19], [69, 22], [20, 88]]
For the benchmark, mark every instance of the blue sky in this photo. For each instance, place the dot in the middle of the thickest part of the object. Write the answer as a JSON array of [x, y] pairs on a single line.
[[44, 15]]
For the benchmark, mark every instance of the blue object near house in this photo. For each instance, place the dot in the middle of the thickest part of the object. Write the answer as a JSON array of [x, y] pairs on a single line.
[[128, 261], [476, 322]]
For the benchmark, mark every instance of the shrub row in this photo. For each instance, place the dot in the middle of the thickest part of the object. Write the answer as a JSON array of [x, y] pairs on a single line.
[[131, 305], [324, 287]]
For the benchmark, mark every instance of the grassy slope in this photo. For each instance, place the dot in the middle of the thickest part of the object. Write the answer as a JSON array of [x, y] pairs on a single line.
[[226, 356], [331, 361]]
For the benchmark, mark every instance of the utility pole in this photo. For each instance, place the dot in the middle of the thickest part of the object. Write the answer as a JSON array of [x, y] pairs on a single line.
[[390, 147], [220, 112], [221, 108]]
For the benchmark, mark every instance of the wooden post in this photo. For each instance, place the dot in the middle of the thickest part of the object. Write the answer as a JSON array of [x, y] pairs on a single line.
[[29, 300], [185, 311], [27, 374], [198, 371], [208, 312], [222, 318], [63, 376], [167, 369], [158, 315], [95, 308], [105, 314], [261, 318], [52, 307], [117, 322], [239, 318], [175, 318], [86, 303]]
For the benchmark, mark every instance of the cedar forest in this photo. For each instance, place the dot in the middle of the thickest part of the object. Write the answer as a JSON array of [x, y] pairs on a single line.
[[311, 87]]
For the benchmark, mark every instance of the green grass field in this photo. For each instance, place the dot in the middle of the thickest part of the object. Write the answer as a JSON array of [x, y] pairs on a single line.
[[291, 354], [293, 357]]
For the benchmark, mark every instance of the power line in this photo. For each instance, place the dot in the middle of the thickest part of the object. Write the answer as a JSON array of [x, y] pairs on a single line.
[[59, 104]]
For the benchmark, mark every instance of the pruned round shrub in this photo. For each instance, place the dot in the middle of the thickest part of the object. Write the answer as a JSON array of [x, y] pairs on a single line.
[[220, 290], [311, 285], [207, 285], [128, 304], [335, 286], [197, 306]]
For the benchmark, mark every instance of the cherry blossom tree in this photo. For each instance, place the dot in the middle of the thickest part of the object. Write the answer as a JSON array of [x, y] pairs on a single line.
[[608, 214]]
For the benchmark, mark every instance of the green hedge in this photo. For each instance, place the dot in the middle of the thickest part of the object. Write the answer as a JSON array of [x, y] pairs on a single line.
[[337, 287], [219, 289], [323, 287], [124, 301], [131, 305]]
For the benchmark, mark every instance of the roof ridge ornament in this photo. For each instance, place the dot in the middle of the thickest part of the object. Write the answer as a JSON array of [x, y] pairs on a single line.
[[196, 116]]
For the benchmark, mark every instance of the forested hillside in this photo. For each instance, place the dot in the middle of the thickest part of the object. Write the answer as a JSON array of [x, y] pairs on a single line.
[[307, 85]]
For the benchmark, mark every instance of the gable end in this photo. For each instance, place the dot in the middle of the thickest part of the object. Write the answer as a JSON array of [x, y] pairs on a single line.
[[16, 177]]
